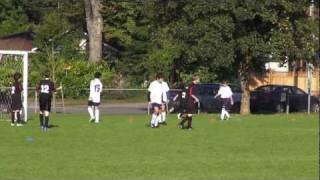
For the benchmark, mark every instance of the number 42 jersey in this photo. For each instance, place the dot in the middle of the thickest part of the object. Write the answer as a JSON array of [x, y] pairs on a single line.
[[95, 90]]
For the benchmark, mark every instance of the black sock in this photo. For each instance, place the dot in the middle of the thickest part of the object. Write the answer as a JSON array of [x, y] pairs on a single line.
[[190, 122], [184, 119], [41, 120], [18, 118], [12, 117], [46, 121]]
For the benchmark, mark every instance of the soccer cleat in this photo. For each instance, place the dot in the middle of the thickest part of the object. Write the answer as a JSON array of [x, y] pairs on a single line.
[[190, 129], [180, 126], [19, 124], [91, 120], [164, 123], [12, 124]]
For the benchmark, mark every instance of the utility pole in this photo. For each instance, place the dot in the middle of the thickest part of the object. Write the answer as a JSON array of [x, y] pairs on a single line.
[[309, 83], [309, 65]]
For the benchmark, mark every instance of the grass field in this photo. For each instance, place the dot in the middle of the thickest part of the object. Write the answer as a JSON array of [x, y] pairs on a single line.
[[122, 147]]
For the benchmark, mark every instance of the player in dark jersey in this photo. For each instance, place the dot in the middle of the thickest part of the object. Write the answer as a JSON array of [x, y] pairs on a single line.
[[16, 102], [188, 102], [45, 89]]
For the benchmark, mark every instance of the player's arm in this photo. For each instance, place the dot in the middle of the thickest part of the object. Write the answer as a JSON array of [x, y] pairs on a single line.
[[53, 87], [20, 87], [148, 96], [231, 97], [175, 97], [101, 87], [149, 92], [195, 98], [218, 94], [38, 87]]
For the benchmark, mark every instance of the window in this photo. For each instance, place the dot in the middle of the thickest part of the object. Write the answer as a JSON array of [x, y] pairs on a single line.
[[235, 89], [264, 88], [298, 91]]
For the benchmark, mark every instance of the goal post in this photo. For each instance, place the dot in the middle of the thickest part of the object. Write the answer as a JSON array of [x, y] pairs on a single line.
[[25, 59]]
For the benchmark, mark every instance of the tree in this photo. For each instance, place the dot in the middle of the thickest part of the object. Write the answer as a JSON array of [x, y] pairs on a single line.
[[13, 18], [94, 27], [191, 37]]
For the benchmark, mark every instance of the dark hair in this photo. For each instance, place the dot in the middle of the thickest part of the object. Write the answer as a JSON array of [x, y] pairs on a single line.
[[97, 75], [16, 76], [46, 74], [195, 77], [159, 76]]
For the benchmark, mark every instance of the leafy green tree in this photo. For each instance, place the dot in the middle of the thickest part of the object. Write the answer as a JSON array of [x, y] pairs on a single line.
[[13, 18]]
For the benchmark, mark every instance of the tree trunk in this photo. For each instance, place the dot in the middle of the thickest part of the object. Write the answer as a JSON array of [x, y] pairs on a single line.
[[94, 27], [244, 77]]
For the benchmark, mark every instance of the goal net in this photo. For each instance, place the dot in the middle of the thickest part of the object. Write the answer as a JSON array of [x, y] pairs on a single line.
[[9, 64]]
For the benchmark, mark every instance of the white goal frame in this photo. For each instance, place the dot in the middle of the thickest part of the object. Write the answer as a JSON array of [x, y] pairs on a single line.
[[25, 55]]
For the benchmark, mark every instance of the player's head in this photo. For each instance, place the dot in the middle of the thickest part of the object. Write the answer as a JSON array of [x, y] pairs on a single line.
[[46, 74], [182, 85], [225, 82], [16, 76], [195, 79], [97, 75], [159, 77]]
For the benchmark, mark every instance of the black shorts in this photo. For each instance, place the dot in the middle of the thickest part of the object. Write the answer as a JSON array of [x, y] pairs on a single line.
[[45, 103], [154, 105], [16, 103], [90, 103], [189, 108], [226, 103]]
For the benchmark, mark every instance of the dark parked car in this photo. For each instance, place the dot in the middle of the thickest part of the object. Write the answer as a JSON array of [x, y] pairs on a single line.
[[206, 93], [276, 97]]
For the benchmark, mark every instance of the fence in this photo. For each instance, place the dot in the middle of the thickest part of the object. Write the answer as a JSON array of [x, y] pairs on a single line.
[[114, 101], [298, 79]]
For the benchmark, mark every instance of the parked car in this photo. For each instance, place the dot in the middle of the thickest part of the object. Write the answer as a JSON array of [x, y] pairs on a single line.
[[206, 93], [276, 97]]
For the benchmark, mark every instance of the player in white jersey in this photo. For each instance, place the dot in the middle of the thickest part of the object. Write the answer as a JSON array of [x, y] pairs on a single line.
[[94, 98], [225, 94], [155, 99]]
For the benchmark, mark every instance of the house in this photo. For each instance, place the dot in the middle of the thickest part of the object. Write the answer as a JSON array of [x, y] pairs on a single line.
[[293, 74]]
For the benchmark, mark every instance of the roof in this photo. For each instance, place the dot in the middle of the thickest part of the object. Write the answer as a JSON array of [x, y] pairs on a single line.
[[20, 42]]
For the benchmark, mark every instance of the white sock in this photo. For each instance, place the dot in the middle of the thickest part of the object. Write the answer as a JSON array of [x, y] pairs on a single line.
[[153, 119], [97, 116], [15, 116], [163, 116], [158, 118], [227, 114], [90, 110], [222, 114]]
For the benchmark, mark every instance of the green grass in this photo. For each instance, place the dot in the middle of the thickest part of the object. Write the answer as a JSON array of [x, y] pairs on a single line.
[[122, 147]]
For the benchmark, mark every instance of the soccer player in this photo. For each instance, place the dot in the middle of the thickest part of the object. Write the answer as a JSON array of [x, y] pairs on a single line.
[[155, 98], [225, 94], [16, 104], [45, 88], [188, 102], [94, 98], [192, 101]]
